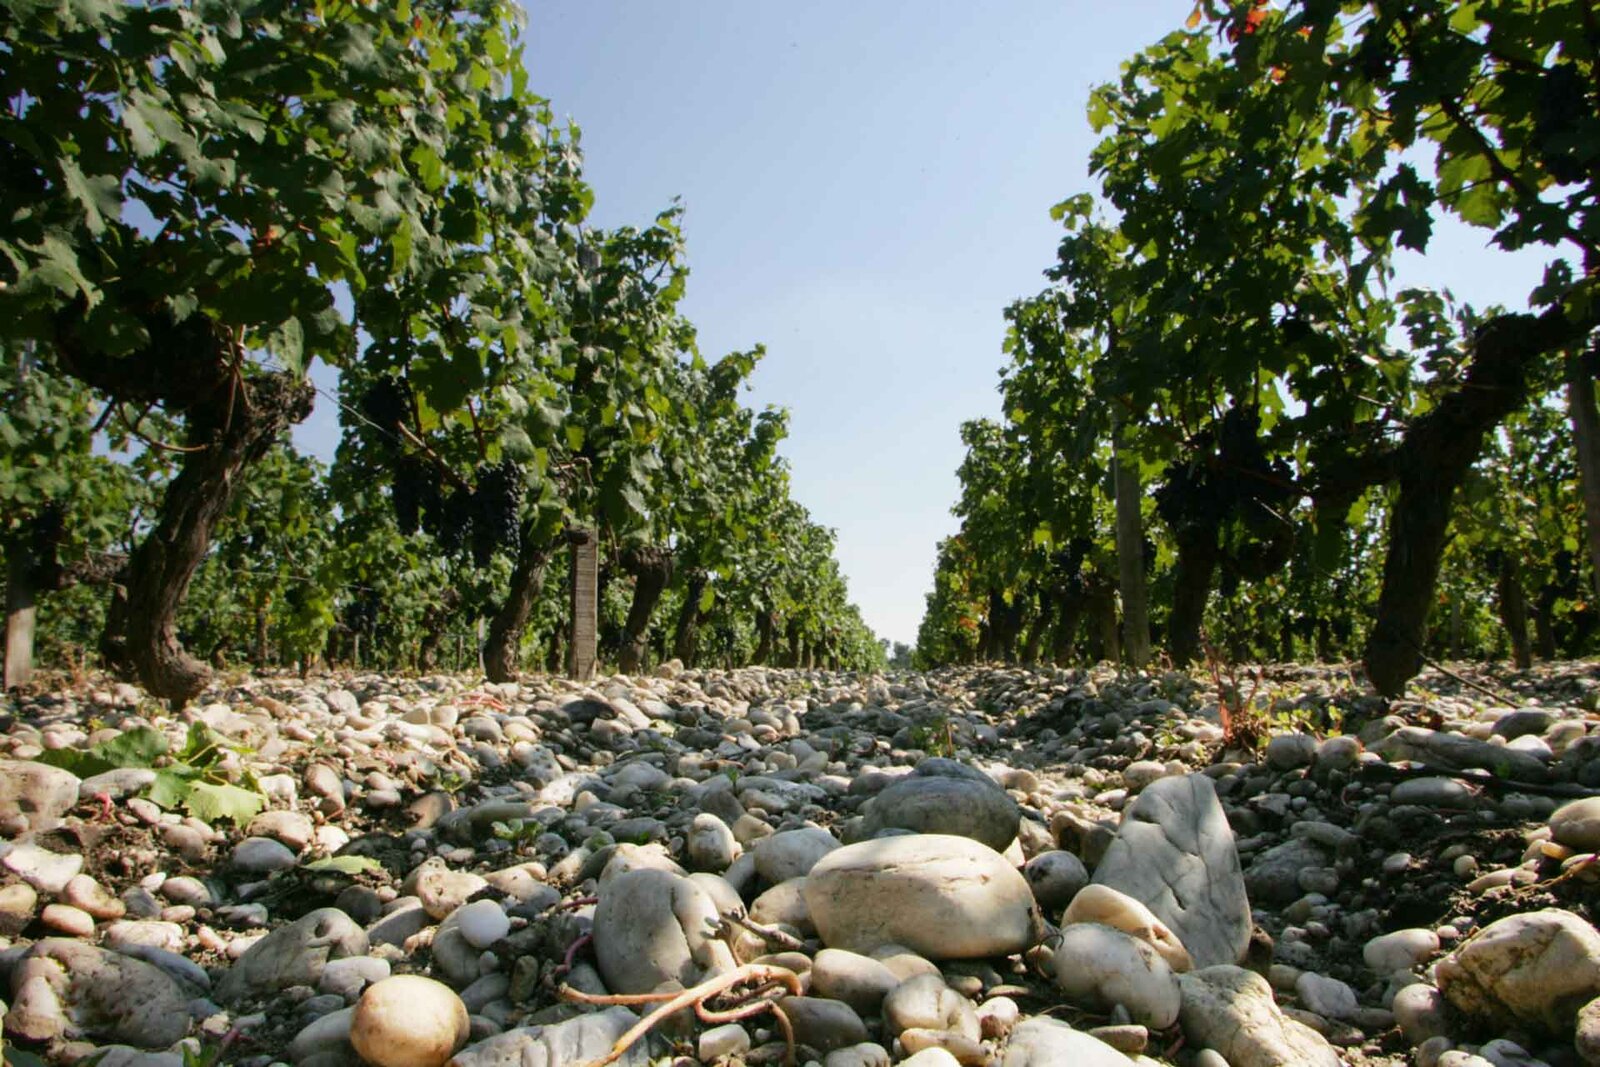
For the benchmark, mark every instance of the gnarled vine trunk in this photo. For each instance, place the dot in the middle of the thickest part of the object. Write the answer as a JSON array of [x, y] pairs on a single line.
[[651, 567], [1431, 461], [1191, 586], [509, 623], [193, 369], [1586, 442], [1513, 605], [686, 633]]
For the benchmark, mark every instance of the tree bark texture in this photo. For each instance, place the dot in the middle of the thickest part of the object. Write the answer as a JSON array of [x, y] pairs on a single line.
[[1586, 442], [1513, 610], [1431, 461], [1130, 552], [1191, 586], [511, 621], [686, 634], [651, 567]]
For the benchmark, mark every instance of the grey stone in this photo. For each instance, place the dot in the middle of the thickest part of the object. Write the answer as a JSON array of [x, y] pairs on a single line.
[[1047, 1042], [1433, 793], [1174, 853], [653, 926], [67, 989], [36, 792], [824, 1024], [1450, 751], [943, 896], [1274, 875], [792, 853], [945, 797], [584, 1039], [1055, 878], [293, 955], [1231, 1010]]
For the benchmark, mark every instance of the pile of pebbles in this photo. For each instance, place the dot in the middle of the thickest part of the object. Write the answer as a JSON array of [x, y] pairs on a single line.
[[974, 866]]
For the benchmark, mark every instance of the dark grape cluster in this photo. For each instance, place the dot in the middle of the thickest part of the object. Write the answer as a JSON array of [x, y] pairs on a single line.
[[361, 614], [414, 491], [496, 508], [387, 403], [1227, 474], [1563, 104], [449, 520]]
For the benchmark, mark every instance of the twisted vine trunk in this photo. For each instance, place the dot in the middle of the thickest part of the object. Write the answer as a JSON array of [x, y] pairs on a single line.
[[1191, 585], [651, 567], [1432, 460], [1586, 442], [766, 625], [511, 621], [194, 369], [686, 635], [1513, 610]]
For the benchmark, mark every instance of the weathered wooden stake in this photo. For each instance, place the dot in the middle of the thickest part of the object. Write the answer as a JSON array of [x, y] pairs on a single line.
[[585, 603], [20, 613]]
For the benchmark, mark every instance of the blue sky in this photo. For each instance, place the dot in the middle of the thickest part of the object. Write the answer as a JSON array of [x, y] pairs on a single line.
[[867, 185]]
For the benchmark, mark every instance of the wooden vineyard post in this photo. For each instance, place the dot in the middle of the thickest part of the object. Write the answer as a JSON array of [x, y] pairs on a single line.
[[19, 621], [585, 603]]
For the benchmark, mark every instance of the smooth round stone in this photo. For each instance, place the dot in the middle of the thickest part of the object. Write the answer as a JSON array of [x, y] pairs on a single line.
[[409, 1021], [85, 893], [1420, 1012], [792, 853], [943, 896], [186, 890], [1434, 792], [824, 1024], [74, 922], [730, 1039], [1109, 907], [482, 923], [1055, 878], [1100, 967], [927, 1003], [1400, 950], [262, 855], [1328, 997], [1285, 752], [710, 845], [860, 981], [1577, 825]]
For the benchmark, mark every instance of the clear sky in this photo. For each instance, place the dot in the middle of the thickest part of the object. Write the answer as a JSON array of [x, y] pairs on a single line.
[[867, 185]]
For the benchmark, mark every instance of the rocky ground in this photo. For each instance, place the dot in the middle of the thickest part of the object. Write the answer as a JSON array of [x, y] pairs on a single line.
[[1002, 866]]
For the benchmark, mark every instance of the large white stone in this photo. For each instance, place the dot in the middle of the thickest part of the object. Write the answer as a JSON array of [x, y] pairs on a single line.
[[943, 896], [1109, 907], [654, 926], [1231, 1010], [1536, 969], [1098, 967], [409, 1021], [1174, 853]]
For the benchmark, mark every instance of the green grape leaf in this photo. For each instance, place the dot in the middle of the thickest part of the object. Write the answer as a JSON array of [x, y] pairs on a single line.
[[209, 802], [344, 864]]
